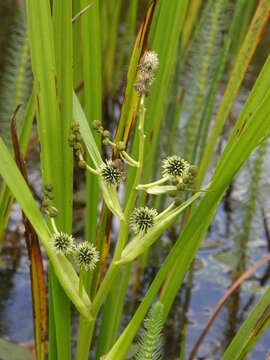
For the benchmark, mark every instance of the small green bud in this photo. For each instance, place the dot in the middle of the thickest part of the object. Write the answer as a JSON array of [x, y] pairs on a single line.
[[49, 187], [45, 204], [186, 179], [177, 201], [193, 169], [96, 124], [173, 193], [106, 141], [120, 145], [106, 133], [53, 212], [181, 186], [82, 164], [77, 146]]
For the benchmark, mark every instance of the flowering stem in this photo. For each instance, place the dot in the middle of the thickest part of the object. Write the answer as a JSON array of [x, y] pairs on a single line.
[[81, 280], [128, 159], [165, 212], [91, 170], [152, 184], [124, 225], [54, 227]]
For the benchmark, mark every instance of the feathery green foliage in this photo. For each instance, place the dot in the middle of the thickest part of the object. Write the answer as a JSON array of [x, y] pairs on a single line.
[[150, 343]]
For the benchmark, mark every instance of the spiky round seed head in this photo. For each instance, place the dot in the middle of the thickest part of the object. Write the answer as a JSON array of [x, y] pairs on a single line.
[[86, 256], [62, 243], [150, 60], [111, 173], [175, 166], [142, 219], [120, 145]]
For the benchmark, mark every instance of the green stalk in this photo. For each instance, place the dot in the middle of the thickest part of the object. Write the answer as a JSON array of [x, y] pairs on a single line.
[[56, 166], [106, 337], [90, 33]]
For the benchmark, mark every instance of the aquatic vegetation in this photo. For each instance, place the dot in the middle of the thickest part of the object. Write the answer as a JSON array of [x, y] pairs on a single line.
[[135, 191]]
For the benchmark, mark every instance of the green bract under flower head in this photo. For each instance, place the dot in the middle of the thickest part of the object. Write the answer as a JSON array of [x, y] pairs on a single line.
[[86, 256], [63, 243], [142, 219], [175, 166], [111, 173]]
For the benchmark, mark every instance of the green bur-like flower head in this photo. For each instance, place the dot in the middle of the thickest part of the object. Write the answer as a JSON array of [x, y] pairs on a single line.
[[111, 173], [63, 243], [86, 256], [142, 219], [175, 166]]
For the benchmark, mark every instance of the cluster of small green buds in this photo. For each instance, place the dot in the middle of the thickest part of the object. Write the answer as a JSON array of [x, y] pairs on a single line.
[[112, 172], [86, 256], [145, 73], [75, 141], [46, 206], [142, 219], [97, 126], [62, 243]]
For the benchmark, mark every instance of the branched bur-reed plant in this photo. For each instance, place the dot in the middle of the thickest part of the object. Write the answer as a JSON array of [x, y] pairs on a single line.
[[145, 223]]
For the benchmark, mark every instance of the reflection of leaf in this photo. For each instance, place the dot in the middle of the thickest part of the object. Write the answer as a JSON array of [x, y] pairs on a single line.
[[9, 351], [226, 258]]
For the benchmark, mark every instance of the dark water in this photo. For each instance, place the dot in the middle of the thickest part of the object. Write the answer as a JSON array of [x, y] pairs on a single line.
[[201, 291]]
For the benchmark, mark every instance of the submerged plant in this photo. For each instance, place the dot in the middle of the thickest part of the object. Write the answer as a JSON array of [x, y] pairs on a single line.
[[150, 344]]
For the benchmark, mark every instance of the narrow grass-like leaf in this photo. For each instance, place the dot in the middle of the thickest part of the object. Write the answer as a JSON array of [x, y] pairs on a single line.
[[109, 193], [249, 333], [129, 107], [38, 285], [6, 198]]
